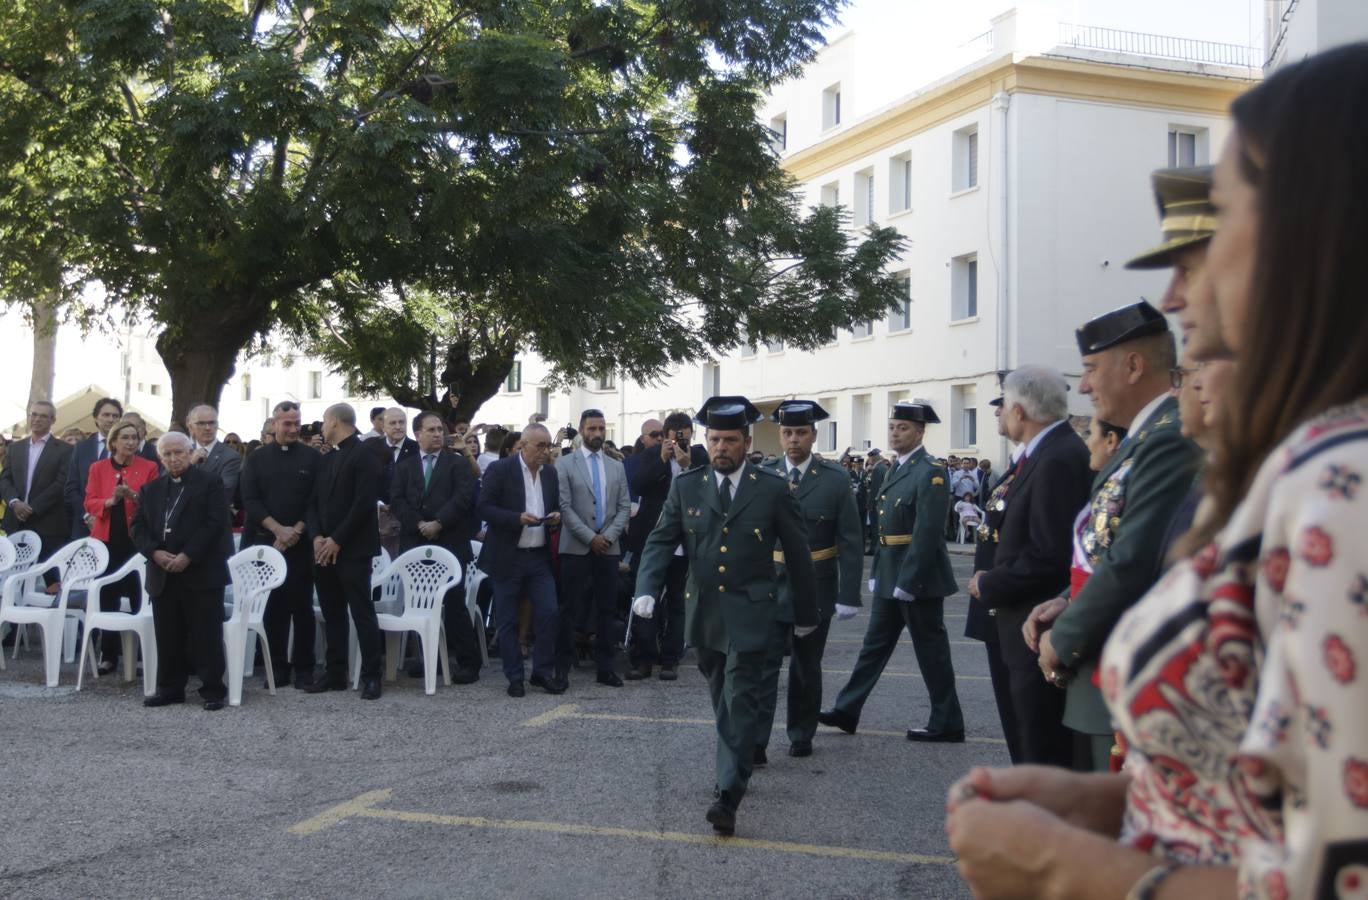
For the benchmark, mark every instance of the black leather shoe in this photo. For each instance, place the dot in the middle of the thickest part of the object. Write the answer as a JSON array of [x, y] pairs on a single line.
[[370, 688], [612, 679], [323, 685], [800, 748], [213, 705], [106, 668], [552, 685], [722, 815], [638, 673], [160, 699], [837, 719], [516, 689], [928, 736], [759, 759], [668, 673], [303, 680], [465, 676]]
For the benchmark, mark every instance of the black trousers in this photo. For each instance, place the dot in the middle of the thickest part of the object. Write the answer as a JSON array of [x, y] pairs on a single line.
[[292, 603], [1038, 708], [650, 643], [1002, 694], [189, 619], [588, 593], [345, 587], [462, 644], [804, 685]]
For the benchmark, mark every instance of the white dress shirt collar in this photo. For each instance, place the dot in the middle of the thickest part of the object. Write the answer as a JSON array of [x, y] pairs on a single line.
[[534, 503], [1145, 413], [734, 478], [801, 467]]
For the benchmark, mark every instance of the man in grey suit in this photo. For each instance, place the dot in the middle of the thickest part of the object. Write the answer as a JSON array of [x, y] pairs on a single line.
[[34, 479], [210, 453], [595, 509]]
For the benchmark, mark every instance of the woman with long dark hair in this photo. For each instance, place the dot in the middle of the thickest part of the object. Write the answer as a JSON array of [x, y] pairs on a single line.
[[1238, 680]]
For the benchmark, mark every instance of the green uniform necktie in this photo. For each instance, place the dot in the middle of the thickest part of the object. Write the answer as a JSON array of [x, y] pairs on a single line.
[[427, 469], [726, 494]]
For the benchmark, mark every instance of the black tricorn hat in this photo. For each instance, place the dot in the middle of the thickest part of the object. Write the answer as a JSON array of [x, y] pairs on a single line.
[[799, 412], [996, 401], [728, 413], [914, 411], [1119, 326]]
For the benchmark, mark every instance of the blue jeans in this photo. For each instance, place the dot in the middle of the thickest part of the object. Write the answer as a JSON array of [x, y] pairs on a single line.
[[531, 577]]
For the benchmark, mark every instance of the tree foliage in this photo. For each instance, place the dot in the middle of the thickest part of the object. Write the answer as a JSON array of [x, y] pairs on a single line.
[[422, 185]]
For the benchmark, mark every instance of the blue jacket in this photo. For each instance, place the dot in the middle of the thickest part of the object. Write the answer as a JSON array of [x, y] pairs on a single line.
[[502, 504]]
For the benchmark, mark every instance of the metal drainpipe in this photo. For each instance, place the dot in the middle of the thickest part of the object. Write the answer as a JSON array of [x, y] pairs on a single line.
[[1001, 102]]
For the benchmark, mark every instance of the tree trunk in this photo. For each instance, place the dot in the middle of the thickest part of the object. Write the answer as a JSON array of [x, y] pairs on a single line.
[[469, 383], [199, 369], [44, 348]]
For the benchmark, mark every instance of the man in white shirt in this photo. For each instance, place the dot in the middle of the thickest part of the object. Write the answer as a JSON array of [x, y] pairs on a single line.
[[34, 478]]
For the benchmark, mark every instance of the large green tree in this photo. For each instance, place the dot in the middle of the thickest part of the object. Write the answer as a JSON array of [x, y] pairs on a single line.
[[589, 176]]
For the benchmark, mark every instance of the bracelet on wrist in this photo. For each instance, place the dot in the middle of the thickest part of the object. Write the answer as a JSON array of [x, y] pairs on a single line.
[[1147, 886]]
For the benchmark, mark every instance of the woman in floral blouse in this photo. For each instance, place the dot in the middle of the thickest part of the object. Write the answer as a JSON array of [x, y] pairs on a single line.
[[1239, 680]]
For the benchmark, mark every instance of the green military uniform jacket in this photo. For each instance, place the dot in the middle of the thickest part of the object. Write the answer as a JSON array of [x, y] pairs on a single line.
[[732, 595], [835, 537], [1136, 495], [910, 509]]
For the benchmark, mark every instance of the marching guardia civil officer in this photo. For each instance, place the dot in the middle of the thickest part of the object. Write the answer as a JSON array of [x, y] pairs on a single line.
[[912, 578], [836, 539], [729, 515]]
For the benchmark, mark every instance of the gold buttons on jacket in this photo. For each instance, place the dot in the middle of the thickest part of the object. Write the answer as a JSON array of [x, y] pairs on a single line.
[[726, 530], [722, 549], [722, 569], [722, 588]]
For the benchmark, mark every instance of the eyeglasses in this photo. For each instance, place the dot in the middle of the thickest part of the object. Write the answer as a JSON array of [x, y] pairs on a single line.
[[1178, 374], [655, 435]]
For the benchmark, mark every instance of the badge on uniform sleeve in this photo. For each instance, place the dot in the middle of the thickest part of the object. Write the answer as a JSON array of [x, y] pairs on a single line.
[[937, 480]]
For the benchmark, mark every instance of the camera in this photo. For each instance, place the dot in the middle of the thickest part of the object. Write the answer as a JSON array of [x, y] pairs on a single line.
[[678, 436]]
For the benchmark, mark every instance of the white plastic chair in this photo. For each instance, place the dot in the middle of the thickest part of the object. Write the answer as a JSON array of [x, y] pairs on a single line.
[[474, 577], [27, 545], [7, 558], [427, 573], [255, 572], [129, 623], [25, 603]]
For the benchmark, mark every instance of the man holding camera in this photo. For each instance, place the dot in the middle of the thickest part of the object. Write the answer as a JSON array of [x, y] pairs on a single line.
[[651, 479]]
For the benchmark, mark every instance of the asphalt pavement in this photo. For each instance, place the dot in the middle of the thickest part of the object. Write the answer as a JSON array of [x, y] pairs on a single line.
[[469, 793]]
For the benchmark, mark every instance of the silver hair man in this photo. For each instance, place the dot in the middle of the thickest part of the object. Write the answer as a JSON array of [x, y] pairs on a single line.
[[1041, 392]]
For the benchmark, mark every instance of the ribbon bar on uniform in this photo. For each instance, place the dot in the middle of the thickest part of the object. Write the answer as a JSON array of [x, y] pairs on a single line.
[[817, 555]]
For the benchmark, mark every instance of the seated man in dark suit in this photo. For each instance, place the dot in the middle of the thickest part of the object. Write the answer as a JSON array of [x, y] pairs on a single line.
[[179, 525], [432, 494], [520, 504]]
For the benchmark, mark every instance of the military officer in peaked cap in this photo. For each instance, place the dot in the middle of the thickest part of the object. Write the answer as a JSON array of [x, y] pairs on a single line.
[[729, 515], [836, 539], [1127, 356], [912, 578]]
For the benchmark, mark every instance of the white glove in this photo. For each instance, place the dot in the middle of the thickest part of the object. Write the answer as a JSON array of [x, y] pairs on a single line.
[[900, 594], [644, 606], [871, 585], [846, 612], [802, 631]]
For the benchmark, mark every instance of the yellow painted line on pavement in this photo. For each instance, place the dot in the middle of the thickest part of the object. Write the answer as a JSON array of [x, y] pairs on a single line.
[[892, 674], [367, 806], [571, 711], [902, 643]]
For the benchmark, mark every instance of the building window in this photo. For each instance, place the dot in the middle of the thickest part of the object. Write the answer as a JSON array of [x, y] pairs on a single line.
[[964, 415], [247, 386], [862, 329], [831, 194], [747, 350], [864, 197], [831, 106], [1187, 147], [712, 380], [964, 287], [543, 401], [826, 436], [900, 319], [779, 126], [861, 422], [606, 382], [315, 385], [965, 174], [154, 390], [774, 346], [513, 383], [900, 183]]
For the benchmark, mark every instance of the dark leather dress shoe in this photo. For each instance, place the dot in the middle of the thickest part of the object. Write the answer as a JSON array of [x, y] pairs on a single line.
[[516, 689], [160, 699], [323, 685], [370, 688], [759, 759], [837, 719], [213, 705], [722, 814], [929, 736], [668, 673], [303, 680], [107, 668], [800, 748], [612, 679], [638, 673], [465, 676], [551, 685]]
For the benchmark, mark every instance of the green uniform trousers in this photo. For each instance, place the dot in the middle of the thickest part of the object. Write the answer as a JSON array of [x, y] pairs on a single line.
[[924, 619], [734, 683], [804, 686]]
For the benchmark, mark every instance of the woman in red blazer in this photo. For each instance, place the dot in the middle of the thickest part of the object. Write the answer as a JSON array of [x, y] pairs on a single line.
[[111, 497]]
